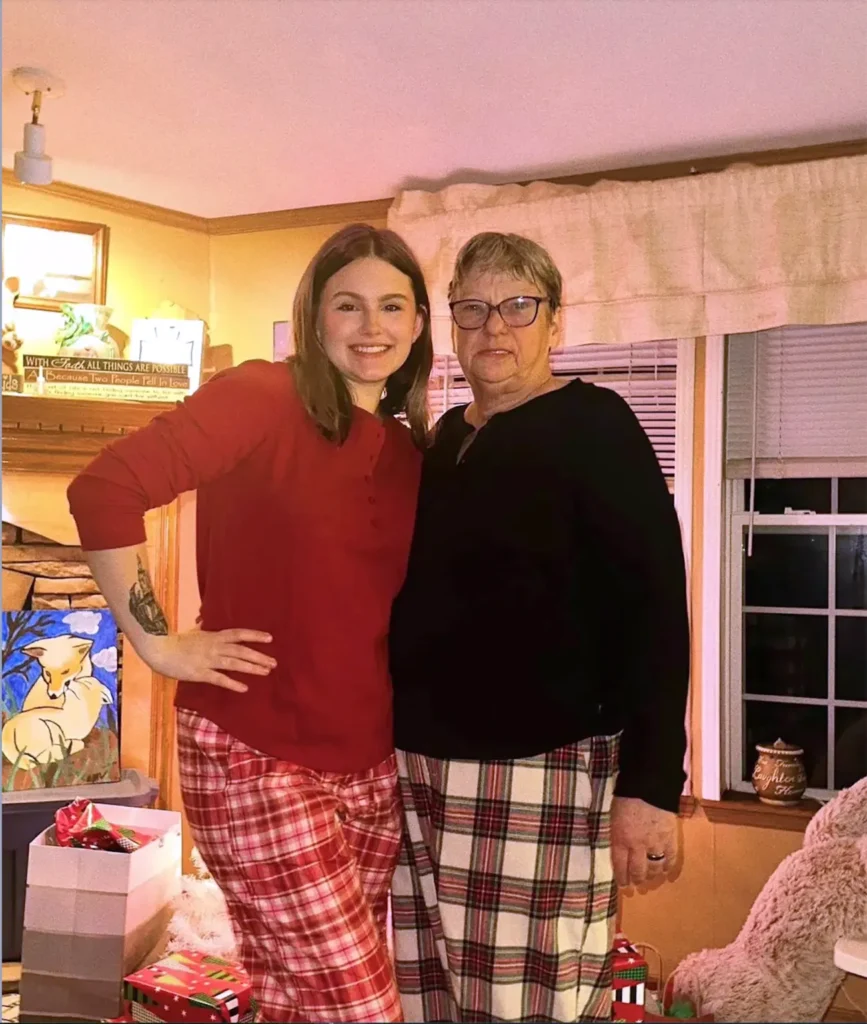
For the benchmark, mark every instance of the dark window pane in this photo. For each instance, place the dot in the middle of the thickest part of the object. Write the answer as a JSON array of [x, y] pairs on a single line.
[[787, 570], [773, 497], [786, 655], [850, 749], [851, 568], [852, 495], [850, 661], [805, 725]]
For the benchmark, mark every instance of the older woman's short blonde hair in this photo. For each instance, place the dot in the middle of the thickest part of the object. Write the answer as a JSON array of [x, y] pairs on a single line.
[[491, 252]]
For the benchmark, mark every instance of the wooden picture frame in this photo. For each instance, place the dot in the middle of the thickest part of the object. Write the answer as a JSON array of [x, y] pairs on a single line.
[[56, 261]]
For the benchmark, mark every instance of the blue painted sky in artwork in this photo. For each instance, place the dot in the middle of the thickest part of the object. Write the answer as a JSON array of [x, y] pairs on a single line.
[[20, 671]]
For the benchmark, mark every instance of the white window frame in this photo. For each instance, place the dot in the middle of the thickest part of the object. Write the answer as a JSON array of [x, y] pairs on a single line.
[[738, 520], [684, 447], [713, 721], [684, 454], [720, 624]]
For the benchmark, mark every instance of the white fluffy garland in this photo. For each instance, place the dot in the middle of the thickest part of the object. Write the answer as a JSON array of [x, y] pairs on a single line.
[[200, 921]]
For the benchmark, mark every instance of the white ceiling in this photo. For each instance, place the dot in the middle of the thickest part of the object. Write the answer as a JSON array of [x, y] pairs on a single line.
[[221, 107]]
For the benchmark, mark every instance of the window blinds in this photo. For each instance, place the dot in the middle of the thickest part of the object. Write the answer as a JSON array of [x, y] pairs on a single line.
[[796, 401], [643, 373]]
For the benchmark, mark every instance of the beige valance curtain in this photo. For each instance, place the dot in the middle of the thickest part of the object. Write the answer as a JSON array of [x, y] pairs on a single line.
[[741, 250]]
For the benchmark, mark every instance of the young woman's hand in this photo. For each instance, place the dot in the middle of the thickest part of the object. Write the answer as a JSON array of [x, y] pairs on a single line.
[[205, 657]]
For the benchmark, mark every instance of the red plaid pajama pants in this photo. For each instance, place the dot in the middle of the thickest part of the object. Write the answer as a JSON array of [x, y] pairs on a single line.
[[304, 860]]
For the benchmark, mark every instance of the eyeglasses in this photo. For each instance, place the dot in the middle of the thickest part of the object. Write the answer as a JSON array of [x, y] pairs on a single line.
[[519, 311]]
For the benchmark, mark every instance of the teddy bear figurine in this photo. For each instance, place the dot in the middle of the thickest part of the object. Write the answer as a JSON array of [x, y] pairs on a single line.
[[11, 341], [781, 965], [11, 345]]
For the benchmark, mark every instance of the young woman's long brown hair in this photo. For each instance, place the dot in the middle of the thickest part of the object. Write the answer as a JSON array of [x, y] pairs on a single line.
[[321, 388]]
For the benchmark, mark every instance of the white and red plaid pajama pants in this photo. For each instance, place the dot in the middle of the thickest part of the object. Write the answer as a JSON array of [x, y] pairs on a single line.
[[304, 860]]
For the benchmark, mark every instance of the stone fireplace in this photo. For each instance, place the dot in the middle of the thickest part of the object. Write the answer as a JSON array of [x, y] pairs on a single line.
[[40, 573]]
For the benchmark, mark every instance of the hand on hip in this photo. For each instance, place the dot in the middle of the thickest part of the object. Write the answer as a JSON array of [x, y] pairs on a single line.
[[204, 657]]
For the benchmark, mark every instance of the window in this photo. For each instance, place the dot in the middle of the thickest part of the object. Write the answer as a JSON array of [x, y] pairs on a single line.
[[643, 373], [796, 558]]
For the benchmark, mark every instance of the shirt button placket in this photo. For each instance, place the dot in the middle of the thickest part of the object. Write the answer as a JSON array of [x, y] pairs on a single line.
[[371, 497]]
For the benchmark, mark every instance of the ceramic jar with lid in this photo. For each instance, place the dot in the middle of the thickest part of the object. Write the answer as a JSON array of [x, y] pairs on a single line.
[[779, 777]]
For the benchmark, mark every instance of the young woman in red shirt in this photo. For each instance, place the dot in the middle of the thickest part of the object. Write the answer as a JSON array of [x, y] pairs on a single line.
[[307, 488]]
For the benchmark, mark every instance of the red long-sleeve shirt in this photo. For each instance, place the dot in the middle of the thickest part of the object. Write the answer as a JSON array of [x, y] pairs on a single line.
[[296, 536]]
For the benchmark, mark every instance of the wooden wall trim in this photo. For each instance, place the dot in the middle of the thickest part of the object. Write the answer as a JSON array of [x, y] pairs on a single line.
[[377, 209], [746, 809], [117, 204], [714, 164], [310, 216], [162, 731], [245, 223], [688, 805]]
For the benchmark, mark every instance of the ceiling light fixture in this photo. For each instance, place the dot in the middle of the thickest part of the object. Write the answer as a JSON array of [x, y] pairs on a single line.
[[32, 165]]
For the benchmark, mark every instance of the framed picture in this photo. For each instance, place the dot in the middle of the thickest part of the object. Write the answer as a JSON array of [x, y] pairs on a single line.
[[283, 346], [154, 340], [54, 261], [61, 698]]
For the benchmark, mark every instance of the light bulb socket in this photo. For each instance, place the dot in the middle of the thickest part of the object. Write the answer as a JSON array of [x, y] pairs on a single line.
[[32, 166]]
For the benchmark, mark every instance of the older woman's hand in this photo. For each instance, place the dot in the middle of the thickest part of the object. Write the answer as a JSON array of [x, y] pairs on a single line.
[[643, 841]]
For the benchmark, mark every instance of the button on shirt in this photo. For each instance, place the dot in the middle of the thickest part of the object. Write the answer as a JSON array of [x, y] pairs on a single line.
[[297, 536]]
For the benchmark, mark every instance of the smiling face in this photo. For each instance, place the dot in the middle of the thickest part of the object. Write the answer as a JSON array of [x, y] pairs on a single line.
[[367, 323], [499, 358]]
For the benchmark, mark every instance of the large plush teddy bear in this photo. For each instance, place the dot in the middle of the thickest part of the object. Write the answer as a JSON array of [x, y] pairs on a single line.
[[781, 965]]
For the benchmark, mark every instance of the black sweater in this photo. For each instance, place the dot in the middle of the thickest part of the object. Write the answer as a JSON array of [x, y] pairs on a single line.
[[545, 598]]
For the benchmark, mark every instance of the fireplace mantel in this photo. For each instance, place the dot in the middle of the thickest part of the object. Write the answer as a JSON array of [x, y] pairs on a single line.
[[61, 435]]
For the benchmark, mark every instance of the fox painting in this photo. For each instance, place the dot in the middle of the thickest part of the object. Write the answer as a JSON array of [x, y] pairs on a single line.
[[61, 659], [61, 698]]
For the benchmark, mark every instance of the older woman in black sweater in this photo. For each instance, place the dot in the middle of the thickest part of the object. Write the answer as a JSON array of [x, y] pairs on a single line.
[[540, 661]]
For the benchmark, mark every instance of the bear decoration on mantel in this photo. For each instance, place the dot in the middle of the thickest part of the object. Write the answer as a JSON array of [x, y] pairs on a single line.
[[11, 341]]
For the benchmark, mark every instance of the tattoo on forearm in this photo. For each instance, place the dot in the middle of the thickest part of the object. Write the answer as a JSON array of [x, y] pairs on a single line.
[[143, 604]]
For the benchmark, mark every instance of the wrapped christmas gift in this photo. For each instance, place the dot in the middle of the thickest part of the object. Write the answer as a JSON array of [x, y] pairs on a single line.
[[629, 982], [192, 987], [84, 826], [93, 914]]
